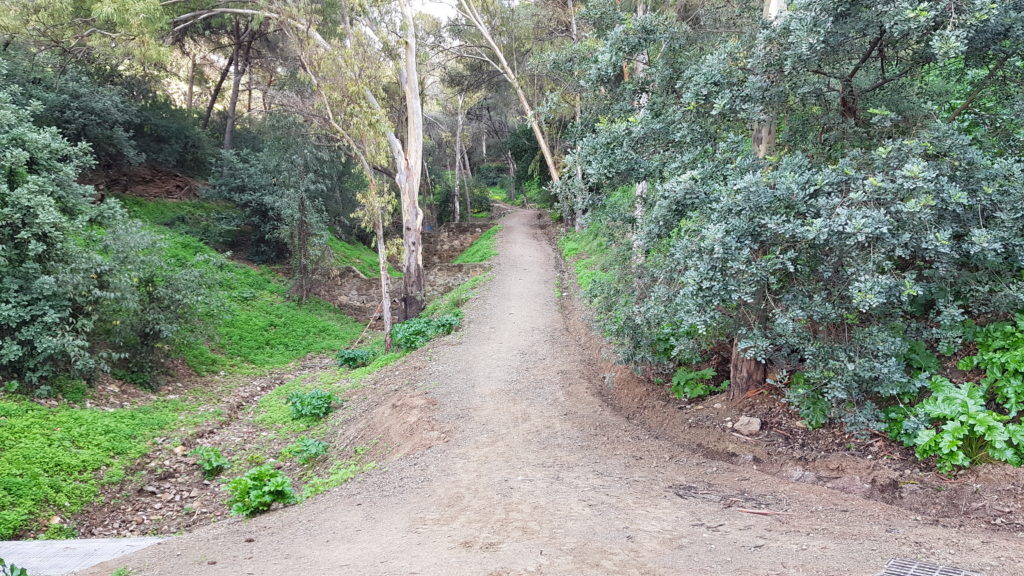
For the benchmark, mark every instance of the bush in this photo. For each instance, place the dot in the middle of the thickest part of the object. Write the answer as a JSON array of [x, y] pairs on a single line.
[[314, 404], [356, 358], [258, 490], [415, 333], [210, 461], [305, 450]]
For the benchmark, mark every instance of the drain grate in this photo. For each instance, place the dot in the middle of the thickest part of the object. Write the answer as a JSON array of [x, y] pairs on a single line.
[[903, 567]]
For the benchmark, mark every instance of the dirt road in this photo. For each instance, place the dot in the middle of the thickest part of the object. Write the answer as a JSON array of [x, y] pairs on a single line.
[[539, 476]]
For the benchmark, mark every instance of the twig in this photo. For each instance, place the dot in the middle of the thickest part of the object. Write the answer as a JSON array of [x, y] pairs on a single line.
[[372, 318], [764, 512]]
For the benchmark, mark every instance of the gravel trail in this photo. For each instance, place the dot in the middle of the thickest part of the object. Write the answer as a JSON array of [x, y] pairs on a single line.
[[540, 476]]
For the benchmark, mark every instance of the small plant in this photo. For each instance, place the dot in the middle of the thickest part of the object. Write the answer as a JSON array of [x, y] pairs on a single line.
[[210, 460], [694, 383], [11, 570], [966, 432], [415, 333], [258, 490], [121, 572], [812, 406], [314, 404], [306, 449], [59, 532], [356, 358], [1001, 356]]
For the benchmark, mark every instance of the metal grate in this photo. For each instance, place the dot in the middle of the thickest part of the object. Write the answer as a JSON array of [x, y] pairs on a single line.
[[903, 567]]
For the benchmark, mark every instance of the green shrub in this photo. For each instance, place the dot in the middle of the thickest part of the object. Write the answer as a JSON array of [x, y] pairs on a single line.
[[688, 383], [314, 404], [415, 333], [258, 490], [356, 358], [1001, 356], [210, 460], [966, 432], [306, 449]]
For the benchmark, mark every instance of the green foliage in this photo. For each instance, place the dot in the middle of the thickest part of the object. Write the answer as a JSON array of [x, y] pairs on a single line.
[[340, 473], [356, 358], [1001, 356], [688, 383], [360, 257], [305, 450], [966, 432], [812, 406], [449, 304], [258, 490], [315, 404], [210, 461], [59, 532], [214, 223], [484, 248], [51, 458], [11, 569], [416, 332]]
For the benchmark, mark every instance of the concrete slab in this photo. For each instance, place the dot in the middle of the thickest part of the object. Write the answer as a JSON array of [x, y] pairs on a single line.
[[59, 557]]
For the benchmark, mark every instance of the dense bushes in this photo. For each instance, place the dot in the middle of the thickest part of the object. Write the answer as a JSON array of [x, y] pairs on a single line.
[[83, 288], [880, 222]]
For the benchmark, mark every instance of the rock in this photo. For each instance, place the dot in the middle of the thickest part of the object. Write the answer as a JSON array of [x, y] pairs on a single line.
[[180, 450], [150, 489], [747, 425], [56, 520]]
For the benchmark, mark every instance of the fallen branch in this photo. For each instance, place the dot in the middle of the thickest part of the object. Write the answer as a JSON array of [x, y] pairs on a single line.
[[764, 512], [372, 318]]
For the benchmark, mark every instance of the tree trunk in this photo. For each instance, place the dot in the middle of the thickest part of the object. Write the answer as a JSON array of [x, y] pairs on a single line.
[[216, 90], [746, 374], [456, 210], [512, 175], [242, 48], [385, 280], [190, 96], [467, 177], [408, 173], [457, 189]]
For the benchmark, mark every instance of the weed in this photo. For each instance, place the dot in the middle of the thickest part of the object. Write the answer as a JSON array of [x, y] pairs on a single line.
[[258, 490], [358, 256], [416, 332], [210, 461], [340, 473], [121, 572], [314, 404], [306, 450], [356, 358], [688, 383], [11, 570]]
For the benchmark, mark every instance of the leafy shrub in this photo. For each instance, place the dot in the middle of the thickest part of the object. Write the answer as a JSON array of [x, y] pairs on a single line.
[[966, 432], [1001, 356], [356, 358], [688, 383], [210, 460], [314, 404], [415, 333], [812, 406], [258, 490], [306, 449]]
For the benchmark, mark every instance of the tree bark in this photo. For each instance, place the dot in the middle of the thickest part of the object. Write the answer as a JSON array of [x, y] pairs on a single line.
[[190, 96], [746, 374], [409, 171], [457, 189], [216, 90], [243, 46]]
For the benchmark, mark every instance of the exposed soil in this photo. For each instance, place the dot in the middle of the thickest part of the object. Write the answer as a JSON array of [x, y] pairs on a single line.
[[529, 453], [144, 181]]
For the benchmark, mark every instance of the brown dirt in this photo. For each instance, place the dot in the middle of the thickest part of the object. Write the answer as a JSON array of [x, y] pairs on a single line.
[[144, 181], [540, 475]]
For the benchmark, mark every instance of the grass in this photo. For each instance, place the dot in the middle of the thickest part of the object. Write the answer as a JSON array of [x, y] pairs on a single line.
[[258, 325], [453, 300], [54, 460], [212, 222], [484, 248], [358, 256], [587, 251]]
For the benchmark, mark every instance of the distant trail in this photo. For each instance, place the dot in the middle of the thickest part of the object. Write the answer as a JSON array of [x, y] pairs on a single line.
[[539, 476]]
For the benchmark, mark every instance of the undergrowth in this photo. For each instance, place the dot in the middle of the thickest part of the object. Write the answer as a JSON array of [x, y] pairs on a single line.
[[53, 460], [358, 256], [484, 248]]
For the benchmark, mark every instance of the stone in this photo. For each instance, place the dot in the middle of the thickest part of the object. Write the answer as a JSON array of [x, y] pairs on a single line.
[[747, 425]]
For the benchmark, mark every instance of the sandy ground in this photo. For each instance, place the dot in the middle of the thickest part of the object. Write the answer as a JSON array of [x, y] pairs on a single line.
[[540, 476]]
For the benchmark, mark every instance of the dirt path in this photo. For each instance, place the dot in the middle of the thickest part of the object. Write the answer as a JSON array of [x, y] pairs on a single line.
[[539, 476]]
